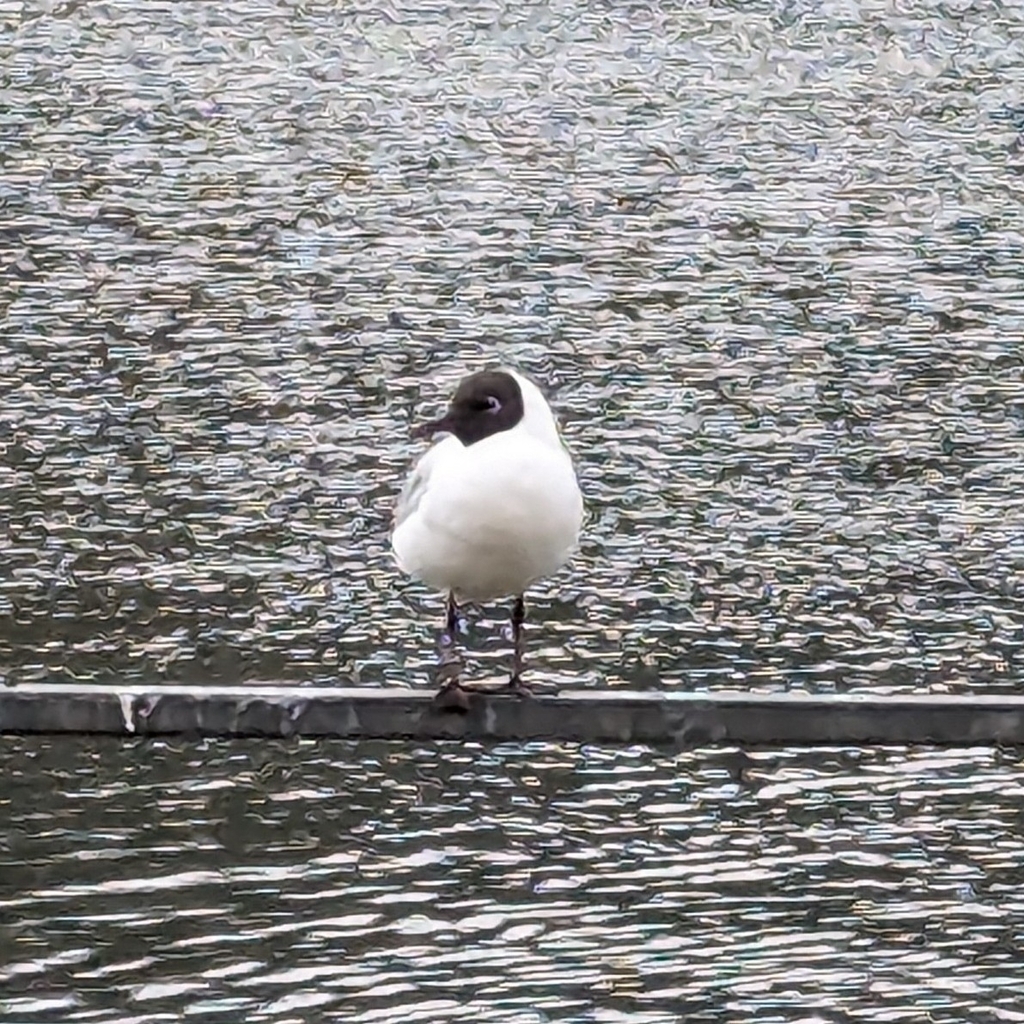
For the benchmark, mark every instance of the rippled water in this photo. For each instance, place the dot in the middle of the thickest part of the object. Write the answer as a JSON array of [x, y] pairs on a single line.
[[376, 883], [767, 258]]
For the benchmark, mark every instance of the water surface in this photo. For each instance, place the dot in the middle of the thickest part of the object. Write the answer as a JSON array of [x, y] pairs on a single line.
[[378, 883], [765, 257]]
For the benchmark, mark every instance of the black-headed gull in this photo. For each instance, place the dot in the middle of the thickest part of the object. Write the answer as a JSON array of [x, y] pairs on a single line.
[[490, 509]]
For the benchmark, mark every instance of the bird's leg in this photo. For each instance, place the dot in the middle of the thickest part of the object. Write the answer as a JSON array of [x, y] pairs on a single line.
[[449, 663], [515, 683], [453, 615]]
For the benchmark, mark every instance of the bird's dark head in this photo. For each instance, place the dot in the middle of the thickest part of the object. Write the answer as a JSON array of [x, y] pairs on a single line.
[[484, 403]]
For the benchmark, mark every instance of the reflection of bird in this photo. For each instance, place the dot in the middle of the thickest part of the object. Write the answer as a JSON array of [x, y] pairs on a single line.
[[490, 509]]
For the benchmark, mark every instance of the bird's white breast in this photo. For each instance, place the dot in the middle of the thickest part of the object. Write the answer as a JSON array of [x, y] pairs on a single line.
[[487, 520]]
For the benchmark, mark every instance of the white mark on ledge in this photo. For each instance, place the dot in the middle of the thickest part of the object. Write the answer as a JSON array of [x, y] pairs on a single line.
[[490, 719], [127, 711]]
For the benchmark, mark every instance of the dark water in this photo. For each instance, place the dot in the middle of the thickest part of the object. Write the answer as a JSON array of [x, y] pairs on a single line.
[[376, 883], [767, 258]]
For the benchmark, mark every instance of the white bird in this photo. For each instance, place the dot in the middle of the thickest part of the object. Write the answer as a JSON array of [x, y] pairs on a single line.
[[490, 509]]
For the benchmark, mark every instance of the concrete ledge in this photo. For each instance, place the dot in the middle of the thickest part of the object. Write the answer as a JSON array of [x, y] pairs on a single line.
[[589, 716]]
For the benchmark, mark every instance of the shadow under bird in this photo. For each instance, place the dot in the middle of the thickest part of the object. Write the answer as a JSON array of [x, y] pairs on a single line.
[[488, 510]]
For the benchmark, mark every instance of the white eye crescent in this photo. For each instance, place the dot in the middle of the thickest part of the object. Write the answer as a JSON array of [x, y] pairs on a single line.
[[493, 404]]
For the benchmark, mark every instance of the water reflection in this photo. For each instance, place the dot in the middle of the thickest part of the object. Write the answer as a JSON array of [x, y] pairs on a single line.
[[766, 257], [378, 881]]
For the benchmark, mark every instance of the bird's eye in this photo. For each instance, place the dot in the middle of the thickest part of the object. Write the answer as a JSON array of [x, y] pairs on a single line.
[[490, 404]]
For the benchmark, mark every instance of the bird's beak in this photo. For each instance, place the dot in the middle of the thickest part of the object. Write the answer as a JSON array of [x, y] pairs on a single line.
[[440, 426]]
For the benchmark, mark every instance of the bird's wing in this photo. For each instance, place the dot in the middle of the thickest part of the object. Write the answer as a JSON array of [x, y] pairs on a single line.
[[412, 493], [416, 485]]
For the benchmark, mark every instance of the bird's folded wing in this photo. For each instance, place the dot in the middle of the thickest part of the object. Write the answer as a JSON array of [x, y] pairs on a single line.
[[412, 494], [416, 485]]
